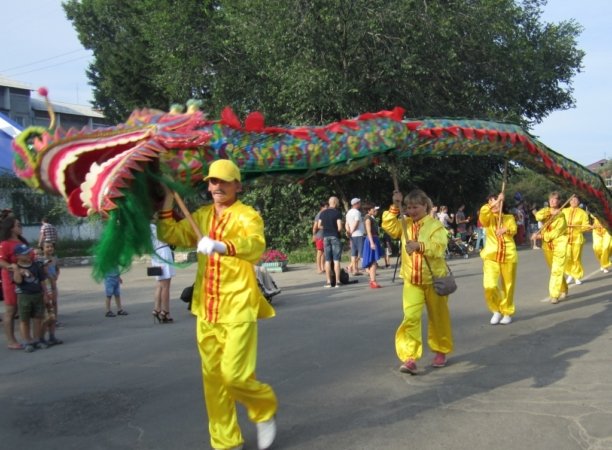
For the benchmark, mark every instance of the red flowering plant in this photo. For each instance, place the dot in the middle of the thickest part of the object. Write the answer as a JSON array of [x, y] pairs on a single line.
[[272, 255]]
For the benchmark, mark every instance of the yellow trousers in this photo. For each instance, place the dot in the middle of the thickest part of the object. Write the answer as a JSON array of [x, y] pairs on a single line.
[[601, 248], [555, 258], [408, 338], [229, 356], [499, 298], [573, 261]]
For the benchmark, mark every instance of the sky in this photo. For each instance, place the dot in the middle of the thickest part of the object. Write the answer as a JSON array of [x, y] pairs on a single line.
[[40, 48]]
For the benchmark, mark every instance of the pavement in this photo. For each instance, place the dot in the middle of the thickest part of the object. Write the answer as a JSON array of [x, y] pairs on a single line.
[[542, 382]]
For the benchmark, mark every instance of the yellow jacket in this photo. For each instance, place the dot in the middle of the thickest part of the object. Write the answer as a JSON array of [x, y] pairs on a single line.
[[577, 222], [498, 248], [226, 289], [556, 229], [432, 238]]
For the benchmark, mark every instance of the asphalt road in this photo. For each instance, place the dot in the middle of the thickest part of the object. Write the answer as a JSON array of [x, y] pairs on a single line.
[[543, 382]]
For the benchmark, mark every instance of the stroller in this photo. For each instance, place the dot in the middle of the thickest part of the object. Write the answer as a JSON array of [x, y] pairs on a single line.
[[456, 247], [266, 283]]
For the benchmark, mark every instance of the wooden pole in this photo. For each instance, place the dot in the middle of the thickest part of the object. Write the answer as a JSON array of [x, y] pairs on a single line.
[[187, 214], [503, 189]]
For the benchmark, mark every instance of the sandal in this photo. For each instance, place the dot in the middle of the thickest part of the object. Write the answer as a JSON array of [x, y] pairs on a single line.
[[122, 313], [16, 346], [165, 317]]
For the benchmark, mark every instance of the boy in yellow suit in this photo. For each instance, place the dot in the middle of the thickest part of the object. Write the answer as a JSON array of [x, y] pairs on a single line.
[[423, 236], [499, 259], [602, 245], [554, 243], [227, 302], [577, 223]]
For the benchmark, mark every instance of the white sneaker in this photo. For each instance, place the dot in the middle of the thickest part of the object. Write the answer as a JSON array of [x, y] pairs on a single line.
[[569, 279], [605, 270], [266, 432], [506, 320], [495, 318], [578, 281]]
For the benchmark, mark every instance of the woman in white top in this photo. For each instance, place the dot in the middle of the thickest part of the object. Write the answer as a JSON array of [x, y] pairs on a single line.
[[162, 257]]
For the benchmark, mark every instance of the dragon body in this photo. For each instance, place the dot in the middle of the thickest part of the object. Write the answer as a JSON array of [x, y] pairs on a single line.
[[94, 169]]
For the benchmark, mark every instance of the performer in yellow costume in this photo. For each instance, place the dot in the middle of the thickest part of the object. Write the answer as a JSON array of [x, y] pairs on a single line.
[[499, 258], [227, 303], [577, 223], [423, 236], [602, 246], [554, 243]]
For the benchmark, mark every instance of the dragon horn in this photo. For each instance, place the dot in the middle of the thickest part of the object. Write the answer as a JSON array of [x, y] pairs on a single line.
[[43, 92]]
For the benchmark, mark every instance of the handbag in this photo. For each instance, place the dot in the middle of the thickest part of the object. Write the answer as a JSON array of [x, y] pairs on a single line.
[[154, 271], [187, 294], [445, 285]]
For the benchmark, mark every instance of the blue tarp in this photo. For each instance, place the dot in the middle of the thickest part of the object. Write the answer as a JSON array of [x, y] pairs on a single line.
[[8, 130]]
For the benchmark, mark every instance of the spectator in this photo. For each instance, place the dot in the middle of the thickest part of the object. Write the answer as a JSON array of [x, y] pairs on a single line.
[[330, 221], [48, 233], [112, 287], [10, 237], [371, 245], [461, 223], [52, 272], [317, 239], [28, 277], [164, 258], [444, 217], [355, 230]]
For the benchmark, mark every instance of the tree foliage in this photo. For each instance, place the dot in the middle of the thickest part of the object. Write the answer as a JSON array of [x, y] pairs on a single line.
[[316, 61]]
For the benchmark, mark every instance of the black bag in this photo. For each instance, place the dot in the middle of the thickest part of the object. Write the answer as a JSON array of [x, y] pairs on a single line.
[[154, 271], [344, 277], [187, 294]]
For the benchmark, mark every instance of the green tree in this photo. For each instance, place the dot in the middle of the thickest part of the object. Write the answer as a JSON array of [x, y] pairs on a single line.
[[316, 61]]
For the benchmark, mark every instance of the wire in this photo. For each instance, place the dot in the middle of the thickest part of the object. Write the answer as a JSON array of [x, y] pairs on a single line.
[[48, 67], [40, 61]]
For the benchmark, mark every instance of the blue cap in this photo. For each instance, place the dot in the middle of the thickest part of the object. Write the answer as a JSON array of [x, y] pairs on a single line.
[[22, 249]]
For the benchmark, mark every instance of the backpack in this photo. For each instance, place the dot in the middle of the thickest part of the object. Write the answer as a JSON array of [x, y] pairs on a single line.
[[344, 277]]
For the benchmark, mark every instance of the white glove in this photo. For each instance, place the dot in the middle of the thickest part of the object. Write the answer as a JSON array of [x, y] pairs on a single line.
[[219, 247], [208, 246]]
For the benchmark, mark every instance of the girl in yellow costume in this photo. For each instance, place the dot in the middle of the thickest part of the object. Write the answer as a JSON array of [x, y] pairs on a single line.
[[227, 302], [554, 243], [422, 236], [499, 259], [602, 245], [577, 223]]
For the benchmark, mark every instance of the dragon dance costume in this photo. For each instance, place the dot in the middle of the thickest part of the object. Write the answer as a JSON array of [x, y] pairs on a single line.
[[554, 246], [577, 223], [500, 259], [602, 245], [418, 286], [227, 303]]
